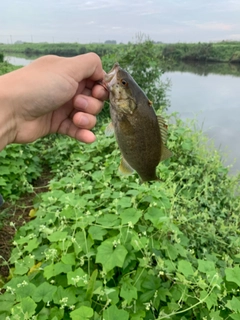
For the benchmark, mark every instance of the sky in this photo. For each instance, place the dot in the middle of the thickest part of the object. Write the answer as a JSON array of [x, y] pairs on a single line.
[[88, 21]]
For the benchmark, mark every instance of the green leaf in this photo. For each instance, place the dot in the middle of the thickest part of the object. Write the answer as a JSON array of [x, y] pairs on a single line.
[[130, 215], [234, 304], [32, 244], [62, 293], [97, 232], [137, 242], [25, 290], [57, 236], [91, 285], [211, 300], [110, 257], [216, 315], [69, 258], [77, 278], [26, 306], [7, 300], [185, 268], [44, 292], [125, 202], [85, 221], [205, 266], [20, 268], [233, 275], [108, 220], [56, 313], [55, 269], [83, 242], [114, 313], [128, 291], [82, 313], [157, 216]]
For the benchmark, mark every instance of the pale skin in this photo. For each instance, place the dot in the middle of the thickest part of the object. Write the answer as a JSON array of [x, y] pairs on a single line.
[[51, 95]]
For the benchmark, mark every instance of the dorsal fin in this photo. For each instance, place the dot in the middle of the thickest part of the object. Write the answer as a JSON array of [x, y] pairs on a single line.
[[163, 129]]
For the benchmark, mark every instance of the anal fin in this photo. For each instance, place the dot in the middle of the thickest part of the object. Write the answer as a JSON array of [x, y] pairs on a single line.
[[165, 153], [109, 131], [125, 168]]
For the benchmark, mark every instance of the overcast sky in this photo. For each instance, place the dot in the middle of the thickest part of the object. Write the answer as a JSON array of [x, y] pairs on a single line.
[[88, 21]]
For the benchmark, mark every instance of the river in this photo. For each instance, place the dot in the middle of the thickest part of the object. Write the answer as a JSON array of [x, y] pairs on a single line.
[[211, 98]]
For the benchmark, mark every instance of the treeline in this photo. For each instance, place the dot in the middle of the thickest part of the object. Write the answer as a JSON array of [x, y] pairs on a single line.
[[211, 52], [61, 49]]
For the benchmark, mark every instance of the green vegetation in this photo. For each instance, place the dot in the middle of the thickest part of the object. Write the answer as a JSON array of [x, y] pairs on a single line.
[[211, 52], [6, 67], [202, 68], [100, 246], [19, 166], [61, 49]]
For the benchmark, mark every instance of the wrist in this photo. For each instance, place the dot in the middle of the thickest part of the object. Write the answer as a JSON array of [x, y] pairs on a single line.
[[7, 127]]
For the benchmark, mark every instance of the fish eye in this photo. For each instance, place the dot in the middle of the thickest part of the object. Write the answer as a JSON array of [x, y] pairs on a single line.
[[124, 82]]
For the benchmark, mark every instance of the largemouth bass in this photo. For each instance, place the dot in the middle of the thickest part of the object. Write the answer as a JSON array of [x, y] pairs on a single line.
[[140, 134]]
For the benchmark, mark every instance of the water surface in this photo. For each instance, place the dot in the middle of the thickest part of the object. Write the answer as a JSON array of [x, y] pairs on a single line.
[[214, 101]]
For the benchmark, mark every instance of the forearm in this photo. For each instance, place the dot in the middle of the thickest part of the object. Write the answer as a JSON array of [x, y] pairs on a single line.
[[7, 127]]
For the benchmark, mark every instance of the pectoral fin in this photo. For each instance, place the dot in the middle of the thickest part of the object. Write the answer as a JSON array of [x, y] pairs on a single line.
[[109, 131], [125, 168]]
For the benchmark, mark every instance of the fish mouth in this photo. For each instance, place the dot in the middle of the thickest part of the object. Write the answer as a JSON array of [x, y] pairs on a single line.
[[110, 78]]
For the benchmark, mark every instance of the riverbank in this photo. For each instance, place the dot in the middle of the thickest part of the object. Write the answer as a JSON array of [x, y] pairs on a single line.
[[224, 52], [205, 52]]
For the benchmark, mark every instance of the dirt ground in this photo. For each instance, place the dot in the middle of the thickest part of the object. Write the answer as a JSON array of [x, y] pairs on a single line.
[[17, 215]]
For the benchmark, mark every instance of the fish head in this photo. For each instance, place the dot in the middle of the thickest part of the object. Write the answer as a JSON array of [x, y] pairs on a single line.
[[120, 85]]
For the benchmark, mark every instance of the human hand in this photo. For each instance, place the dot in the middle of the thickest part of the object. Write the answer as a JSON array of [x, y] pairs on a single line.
[[54, 95]]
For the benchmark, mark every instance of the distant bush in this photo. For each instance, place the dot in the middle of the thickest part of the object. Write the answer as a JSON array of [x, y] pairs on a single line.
[[6, 67], [212, 52], [61, 49], [1, 57], [236, 57]]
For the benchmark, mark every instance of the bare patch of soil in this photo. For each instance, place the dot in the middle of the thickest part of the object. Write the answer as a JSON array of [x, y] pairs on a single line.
[[14, 216]]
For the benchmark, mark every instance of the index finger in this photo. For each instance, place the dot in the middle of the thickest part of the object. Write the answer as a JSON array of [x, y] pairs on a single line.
[[100, 93], [86, 66]]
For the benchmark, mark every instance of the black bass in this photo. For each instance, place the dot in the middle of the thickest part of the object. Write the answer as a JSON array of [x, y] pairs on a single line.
[[140, 134]]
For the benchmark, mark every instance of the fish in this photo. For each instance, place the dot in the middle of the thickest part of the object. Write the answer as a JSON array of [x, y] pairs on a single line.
[[141, 134]]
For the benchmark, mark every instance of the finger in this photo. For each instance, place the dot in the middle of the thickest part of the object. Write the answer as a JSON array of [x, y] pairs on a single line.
[[69, 128], [85, 136], [87, 104], [85, 66], [84, 120], [97, 91], [100, 93]]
